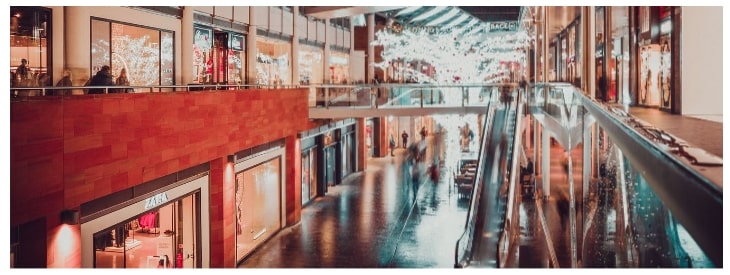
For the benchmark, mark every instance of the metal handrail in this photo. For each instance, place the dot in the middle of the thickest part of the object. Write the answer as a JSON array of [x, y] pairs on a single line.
[[694, 200], [152, 88]]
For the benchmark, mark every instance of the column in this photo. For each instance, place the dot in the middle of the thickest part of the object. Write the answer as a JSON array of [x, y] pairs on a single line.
[[251, 50], [77, 28], [186, 41], [295, 48], [327, 73], [545, 43], [222, 213], [59, 62], [371, 49], [588, 22], [362, 150], [545, 164], [293, 182]]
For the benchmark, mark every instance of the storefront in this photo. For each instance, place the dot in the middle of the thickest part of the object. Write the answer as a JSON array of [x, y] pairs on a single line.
[[309, 169], [219, 56], [311, 63], [339, 66], [273, 60], [349, 150], [145, 53], [330, 160], [372, 136], [259, 200], [162, 228], [30, 31]]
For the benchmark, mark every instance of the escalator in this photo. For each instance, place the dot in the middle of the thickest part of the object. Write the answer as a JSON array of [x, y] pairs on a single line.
[[495, 189]]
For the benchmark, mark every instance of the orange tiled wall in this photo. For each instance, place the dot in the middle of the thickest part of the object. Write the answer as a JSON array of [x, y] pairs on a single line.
[[70, 150]]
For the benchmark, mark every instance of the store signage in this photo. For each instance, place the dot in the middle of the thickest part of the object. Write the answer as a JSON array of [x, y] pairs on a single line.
[[236, 42], [203, 38], [155, 201], [502, 26]]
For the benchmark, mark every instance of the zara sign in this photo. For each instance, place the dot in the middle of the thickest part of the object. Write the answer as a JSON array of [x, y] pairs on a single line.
[[155, 201]]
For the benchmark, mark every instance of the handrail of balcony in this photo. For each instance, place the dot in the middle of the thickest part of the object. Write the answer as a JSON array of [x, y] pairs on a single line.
[[693, 199], [43, 90]]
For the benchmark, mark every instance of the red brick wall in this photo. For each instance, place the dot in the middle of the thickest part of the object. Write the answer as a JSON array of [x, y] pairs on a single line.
[[65, 151]]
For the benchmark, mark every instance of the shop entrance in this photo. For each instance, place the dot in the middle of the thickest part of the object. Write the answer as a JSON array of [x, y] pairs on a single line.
[[162, 237], [220, 58], [329, 165]]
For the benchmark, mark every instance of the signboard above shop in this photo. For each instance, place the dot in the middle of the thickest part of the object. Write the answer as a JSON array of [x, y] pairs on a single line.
[[503, 26]]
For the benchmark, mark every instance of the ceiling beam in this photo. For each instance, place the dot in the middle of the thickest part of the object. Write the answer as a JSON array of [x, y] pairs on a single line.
[[326, 12]]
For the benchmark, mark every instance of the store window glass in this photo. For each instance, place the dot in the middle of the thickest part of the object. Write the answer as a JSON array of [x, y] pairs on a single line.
[[138, 50], [619, 59], [258, 205], [311, 65], [273, 62], [29, 34], [339, 66], [164, 237], [309, 175], [202, 55]]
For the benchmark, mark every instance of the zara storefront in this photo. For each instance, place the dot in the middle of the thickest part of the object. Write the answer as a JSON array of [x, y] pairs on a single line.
[[159, 224]]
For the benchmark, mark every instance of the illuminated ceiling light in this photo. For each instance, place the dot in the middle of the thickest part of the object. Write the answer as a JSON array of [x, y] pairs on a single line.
[[461, 18], [428, 14], [408, 10], [443, 18]]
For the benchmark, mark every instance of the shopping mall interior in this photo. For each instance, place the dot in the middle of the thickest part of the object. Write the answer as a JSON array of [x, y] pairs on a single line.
[[365, 136]]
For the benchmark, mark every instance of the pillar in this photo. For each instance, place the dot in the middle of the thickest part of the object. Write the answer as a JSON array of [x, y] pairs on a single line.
[[371, 49], [362, 150], [327, 52], [251, 50], [186, 37], [545, 43], [295, 48], [588, 22], [293, 183], [222, 213], [77, 30], [545, 163], [59, 59]]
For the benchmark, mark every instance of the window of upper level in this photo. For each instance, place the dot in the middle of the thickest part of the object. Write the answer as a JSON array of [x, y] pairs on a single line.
[[29, 47]]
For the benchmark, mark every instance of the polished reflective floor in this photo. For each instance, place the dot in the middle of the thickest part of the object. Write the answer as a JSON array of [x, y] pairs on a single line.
[[387, 216]]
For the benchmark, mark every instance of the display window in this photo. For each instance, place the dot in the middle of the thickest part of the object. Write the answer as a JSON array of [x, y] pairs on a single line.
[[339, 66], [146, 54], [29, 35], [311, 65], [650, 68], [273, 62], [202, 55], [161, 237], [309, 174], [258, 203]]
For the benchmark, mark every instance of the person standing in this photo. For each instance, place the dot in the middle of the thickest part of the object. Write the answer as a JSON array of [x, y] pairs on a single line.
[[392, 144], [122, 80], [22, 73], [65, 81], [423, 133], [102, 78], [404, 136]]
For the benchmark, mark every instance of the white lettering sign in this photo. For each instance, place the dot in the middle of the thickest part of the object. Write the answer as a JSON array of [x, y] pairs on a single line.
[[155, 201]]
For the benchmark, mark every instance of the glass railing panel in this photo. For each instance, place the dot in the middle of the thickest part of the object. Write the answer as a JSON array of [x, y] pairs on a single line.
[[638, 186]]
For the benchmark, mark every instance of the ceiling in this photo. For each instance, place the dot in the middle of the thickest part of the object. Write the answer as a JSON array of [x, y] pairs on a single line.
[[423, 16], [559, 17]]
